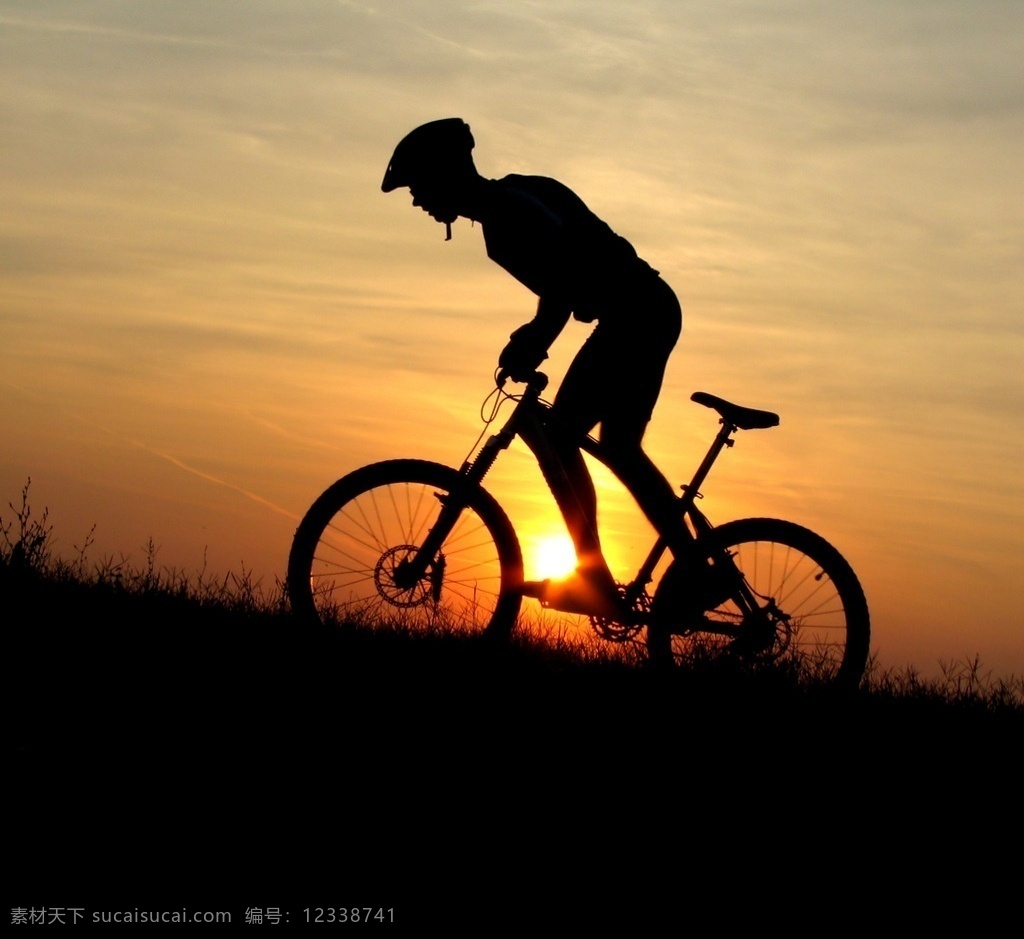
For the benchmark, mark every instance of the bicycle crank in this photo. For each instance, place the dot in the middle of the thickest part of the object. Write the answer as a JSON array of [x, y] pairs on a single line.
[[613, 630]]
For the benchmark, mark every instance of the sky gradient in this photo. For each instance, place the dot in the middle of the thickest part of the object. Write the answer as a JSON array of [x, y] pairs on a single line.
[[209, 311]]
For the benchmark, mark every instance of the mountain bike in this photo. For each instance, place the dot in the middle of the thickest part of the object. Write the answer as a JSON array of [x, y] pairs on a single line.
[[422, 546]]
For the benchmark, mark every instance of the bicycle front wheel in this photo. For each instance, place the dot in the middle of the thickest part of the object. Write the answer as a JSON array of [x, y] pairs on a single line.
[[346, 559], [800, 602]]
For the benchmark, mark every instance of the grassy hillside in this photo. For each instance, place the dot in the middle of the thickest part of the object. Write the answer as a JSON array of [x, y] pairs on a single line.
[[192, 727]]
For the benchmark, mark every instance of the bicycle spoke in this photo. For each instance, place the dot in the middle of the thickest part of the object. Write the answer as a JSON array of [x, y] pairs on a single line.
[[354, 556], [802, 603]]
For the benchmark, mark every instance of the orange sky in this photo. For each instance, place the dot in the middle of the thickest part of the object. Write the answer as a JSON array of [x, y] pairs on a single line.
[[209, 311]]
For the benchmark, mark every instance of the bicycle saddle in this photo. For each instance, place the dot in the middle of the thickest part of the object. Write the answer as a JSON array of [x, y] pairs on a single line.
[[740, 417]]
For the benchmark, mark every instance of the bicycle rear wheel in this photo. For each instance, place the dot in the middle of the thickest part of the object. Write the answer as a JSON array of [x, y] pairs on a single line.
[[347, 549], [809, 607]]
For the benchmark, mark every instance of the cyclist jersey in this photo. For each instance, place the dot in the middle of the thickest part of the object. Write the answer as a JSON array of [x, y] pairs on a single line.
[[544, 235]]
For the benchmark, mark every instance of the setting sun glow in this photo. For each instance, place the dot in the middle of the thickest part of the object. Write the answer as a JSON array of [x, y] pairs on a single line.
[[210, 312], [555, 557]]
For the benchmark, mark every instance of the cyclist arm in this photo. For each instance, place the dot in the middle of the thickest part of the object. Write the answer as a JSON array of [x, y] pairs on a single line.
[[548, 322], [528, 345], [528, 239]]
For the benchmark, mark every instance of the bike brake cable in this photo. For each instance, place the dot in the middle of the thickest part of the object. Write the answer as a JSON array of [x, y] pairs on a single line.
[[499, 396]]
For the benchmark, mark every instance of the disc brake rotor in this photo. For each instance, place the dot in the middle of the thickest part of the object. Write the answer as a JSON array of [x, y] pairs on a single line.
[[384, 579]]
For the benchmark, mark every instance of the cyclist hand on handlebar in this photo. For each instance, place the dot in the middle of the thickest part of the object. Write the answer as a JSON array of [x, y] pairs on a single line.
[[525, 350]]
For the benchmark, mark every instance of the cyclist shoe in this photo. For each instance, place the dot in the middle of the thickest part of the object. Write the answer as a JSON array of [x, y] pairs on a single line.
[[590, 591]]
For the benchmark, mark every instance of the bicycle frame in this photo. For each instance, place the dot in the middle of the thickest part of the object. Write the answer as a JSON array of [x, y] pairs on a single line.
[[761, 588], [527, 420]]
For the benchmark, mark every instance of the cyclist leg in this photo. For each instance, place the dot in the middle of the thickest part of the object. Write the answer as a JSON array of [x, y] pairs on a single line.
[[592, 590], [614, 381], [571, 485], [633, 363]]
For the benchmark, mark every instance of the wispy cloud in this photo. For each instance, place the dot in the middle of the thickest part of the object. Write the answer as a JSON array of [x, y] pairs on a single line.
[[191, 229]]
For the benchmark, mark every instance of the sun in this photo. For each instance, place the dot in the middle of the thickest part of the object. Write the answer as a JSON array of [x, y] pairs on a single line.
[[555, 557]]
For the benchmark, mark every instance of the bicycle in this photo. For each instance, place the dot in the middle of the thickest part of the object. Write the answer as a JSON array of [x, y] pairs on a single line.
[[420, 545]]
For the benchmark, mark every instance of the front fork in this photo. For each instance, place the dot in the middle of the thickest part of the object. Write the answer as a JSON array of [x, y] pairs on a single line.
[[414, 568], [411, 570]]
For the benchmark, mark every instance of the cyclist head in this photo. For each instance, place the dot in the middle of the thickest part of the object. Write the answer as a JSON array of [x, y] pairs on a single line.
[[436, 162], [438, 152]]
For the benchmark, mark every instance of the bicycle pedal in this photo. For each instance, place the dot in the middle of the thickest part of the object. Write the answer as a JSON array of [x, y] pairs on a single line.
[[535, 589]]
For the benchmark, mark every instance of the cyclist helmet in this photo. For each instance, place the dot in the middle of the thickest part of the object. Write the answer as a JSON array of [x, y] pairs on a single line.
[[438, 149]]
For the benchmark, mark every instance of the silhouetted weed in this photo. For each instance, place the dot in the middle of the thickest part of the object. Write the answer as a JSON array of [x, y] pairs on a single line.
[[140, 627]]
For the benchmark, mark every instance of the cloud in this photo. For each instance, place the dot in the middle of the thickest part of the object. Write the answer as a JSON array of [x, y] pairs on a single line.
[[191, 223]]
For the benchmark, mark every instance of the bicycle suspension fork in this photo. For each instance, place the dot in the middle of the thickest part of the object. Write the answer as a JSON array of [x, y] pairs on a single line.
[[414, 568]]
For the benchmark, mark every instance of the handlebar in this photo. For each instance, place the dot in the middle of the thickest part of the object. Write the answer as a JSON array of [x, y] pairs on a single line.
[[537, 381]]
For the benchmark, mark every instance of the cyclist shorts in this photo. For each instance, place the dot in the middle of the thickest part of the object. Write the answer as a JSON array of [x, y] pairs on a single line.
[[616, 376]]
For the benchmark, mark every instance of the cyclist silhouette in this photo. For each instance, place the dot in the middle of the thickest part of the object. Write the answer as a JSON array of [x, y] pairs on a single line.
[[544, 235]]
